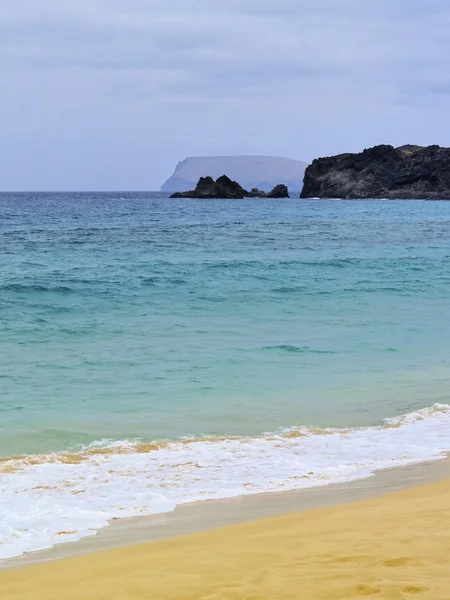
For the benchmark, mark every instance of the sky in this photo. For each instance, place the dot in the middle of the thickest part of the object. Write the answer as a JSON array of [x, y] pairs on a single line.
[[111, 94]]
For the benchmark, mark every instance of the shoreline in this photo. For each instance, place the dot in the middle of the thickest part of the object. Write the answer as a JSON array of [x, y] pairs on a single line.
[[211, 515], [393, 546]]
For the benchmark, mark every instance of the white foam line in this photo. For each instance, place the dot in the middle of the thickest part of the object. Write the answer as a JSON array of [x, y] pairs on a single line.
[[56, 501]]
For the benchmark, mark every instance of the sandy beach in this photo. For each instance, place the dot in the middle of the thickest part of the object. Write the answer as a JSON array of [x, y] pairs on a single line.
[[391, 546], [224, 300]]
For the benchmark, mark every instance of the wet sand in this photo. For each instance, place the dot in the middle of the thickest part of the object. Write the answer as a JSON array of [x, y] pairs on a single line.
[[203, 516], [393, 546]]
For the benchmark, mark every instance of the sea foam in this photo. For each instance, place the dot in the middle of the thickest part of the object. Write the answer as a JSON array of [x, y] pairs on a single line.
[[45, 500]]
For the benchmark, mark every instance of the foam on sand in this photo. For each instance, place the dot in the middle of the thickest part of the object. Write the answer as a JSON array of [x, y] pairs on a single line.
[[45, 500], [394, 547]]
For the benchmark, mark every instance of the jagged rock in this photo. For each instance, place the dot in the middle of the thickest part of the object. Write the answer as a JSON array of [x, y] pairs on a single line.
[[279, 191], [255, 193], [381, 172], [224, 187]]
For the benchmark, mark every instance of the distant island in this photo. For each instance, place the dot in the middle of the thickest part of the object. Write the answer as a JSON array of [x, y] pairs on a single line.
[[407, 172], [226, 188], [261, 172]]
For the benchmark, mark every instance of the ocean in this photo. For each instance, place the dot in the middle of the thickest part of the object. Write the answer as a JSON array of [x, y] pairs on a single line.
[[156, 352]]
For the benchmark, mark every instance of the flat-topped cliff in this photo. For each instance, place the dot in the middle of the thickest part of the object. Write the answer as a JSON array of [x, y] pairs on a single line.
[[262, 172], [381, 172]]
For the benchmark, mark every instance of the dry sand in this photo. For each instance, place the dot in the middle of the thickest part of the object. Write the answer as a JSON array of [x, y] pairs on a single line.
[[394, 547], [201, 516]]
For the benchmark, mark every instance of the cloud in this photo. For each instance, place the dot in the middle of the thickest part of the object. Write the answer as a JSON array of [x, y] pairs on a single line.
[[132, 86]]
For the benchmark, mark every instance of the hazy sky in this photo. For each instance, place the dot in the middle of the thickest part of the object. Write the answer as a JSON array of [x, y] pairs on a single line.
[[110, 94]]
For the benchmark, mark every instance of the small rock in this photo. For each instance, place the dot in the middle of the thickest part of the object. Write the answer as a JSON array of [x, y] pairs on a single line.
[[207, 188], [279, 191]]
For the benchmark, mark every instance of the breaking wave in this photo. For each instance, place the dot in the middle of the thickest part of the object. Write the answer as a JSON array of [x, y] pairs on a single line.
[[63, 497]]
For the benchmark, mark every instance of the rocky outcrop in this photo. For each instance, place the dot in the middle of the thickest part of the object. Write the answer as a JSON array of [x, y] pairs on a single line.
[[279, 191], [255, 193], [381, 172], [262, 172], [225, 188]]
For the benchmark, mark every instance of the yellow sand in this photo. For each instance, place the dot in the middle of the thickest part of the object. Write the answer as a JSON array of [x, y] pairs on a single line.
[[397, 546]]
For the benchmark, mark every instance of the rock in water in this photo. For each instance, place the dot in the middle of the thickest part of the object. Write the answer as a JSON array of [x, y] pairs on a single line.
[[255, 193], [279, 191], [381, 172], [224, 187], [262, 172]]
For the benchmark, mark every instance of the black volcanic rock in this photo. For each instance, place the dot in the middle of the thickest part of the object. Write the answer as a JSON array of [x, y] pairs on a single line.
[[279, 191], [224, 187], [381, 172], [255, 193]]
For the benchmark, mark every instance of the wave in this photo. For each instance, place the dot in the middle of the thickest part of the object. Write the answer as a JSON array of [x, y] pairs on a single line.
[[19, 287], [334, 262], [292, 289], [62, 497], [154, 281], [298, 349]]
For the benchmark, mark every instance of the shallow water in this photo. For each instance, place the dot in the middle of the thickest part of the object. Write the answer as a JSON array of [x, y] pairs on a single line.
[[131, 316]]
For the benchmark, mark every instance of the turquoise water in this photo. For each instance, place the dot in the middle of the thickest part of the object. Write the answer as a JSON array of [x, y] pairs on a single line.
[[136, 316], [260, 345]]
